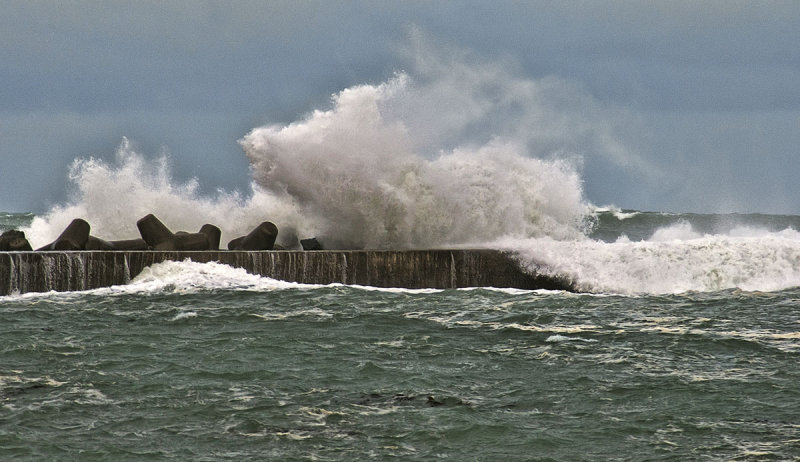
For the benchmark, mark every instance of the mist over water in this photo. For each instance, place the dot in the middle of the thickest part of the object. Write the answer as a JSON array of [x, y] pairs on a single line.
[[455, 152], [113, 196], [760, 262], [356, 167]]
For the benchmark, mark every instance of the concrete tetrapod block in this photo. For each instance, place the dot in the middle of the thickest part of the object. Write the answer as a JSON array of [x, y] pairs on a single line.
[[236, 244], [187, 241], [261, 238], [14, 241], [159, 237], [74, 237], [213, 234], [95, 243], [153, 231], [311, 244], [130, 244]]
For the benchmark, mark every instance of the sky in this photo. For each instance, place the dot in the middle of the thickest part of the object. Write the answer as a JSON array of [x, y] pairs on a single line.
[[700, 100]]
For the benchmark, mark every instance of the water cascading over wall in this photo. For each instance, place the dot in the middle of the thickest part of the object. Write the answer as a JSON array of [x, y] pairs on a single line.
[[22, 272]]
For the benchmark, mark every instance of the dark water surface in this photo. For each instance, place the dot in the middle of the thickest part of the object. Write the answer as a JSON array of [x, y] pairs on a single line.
[[204, 362], [340, 373]]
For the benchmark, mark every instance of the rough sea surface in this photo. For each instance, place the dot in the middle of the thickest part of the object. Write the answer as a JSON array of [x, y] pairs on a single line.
[[206, 362]]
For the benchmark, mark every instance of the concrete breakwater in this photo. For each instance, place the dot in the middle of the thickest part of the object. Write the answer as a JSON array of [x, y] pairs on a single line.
[[22, 272]]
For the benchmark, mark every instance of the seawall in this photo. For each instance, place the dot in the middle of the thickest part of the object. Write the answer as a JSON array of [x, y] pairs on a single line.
[[22, 272]]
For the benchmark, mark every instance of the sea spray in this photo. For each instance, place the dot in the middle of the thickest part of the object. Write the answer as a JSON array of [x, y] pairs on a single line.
[[453, 153], [651, 253], [113, 196], [191, 277], [676, 259], [462, 197], [456, 153]]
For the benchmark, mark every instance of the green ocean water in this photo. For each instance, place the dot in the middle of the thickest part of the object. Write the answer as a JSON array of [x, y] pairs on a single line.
[[199, 362]]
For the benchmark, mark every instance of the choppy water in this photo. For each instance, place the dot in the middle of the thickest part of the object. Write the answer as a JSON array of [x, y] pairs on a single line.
[[203, 362]]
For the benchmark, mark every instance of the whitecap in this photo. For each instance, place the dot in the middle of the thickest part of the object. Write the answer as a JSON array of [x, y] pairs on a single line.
[[677, 262], [558, 338], [184, 315]]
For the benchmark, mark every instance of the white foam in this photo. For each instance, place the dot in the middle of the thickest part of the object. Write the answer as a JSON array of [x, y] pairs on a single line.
[[356, 168], [390, 290], [188, 276], [184, 315], [764, 262], [145, 186], [558, 338], [454, 151], [680, 231], [178, 277], [616, 211]]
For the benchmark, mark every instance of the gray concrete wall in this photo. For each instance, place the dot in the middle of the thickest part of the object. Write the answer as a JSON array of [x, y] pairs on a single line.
[[22, 272]]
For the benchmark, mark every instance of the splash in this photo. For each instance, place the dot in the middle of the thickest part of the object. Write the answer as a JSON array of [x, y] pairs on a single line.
[[192, 277], [356, 172], [455, 152], [376, 182], [113, 196], [676, 259], [680, 231]]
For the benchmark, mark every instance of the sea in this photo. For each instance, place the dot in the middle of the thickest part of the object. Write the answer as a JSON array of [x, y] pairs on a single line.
[[683, 344], [682, 341]]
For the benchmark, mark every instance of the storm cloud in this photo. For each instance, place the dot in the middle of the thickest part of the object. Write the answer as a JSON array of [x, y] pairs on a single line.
[[701, 99]]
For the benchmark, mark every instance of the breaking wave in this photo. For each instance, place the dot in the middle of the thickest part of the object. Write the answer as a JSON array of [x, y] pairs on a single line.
[[455, 152], [676, 259], [355, 168]]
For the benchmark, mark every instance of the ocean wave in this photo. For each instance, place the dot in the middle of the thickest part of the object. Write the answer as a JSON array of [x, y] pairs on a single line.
[[452, 151], [616, 212], [448, 154], [675, 262]]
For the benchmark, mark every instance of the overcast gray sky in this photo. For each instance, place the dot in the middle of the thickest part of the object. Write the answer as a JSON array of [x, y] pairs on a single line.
[[705, 95]]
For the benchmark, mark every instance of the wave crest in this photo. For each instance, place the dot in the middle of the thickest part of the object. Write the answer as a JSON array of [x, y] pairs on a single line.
[[356, 169]]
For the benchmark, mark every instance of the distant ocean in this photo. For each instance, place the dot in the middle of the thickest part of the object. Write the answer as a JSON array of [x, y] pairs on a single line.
[[685, 347]]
